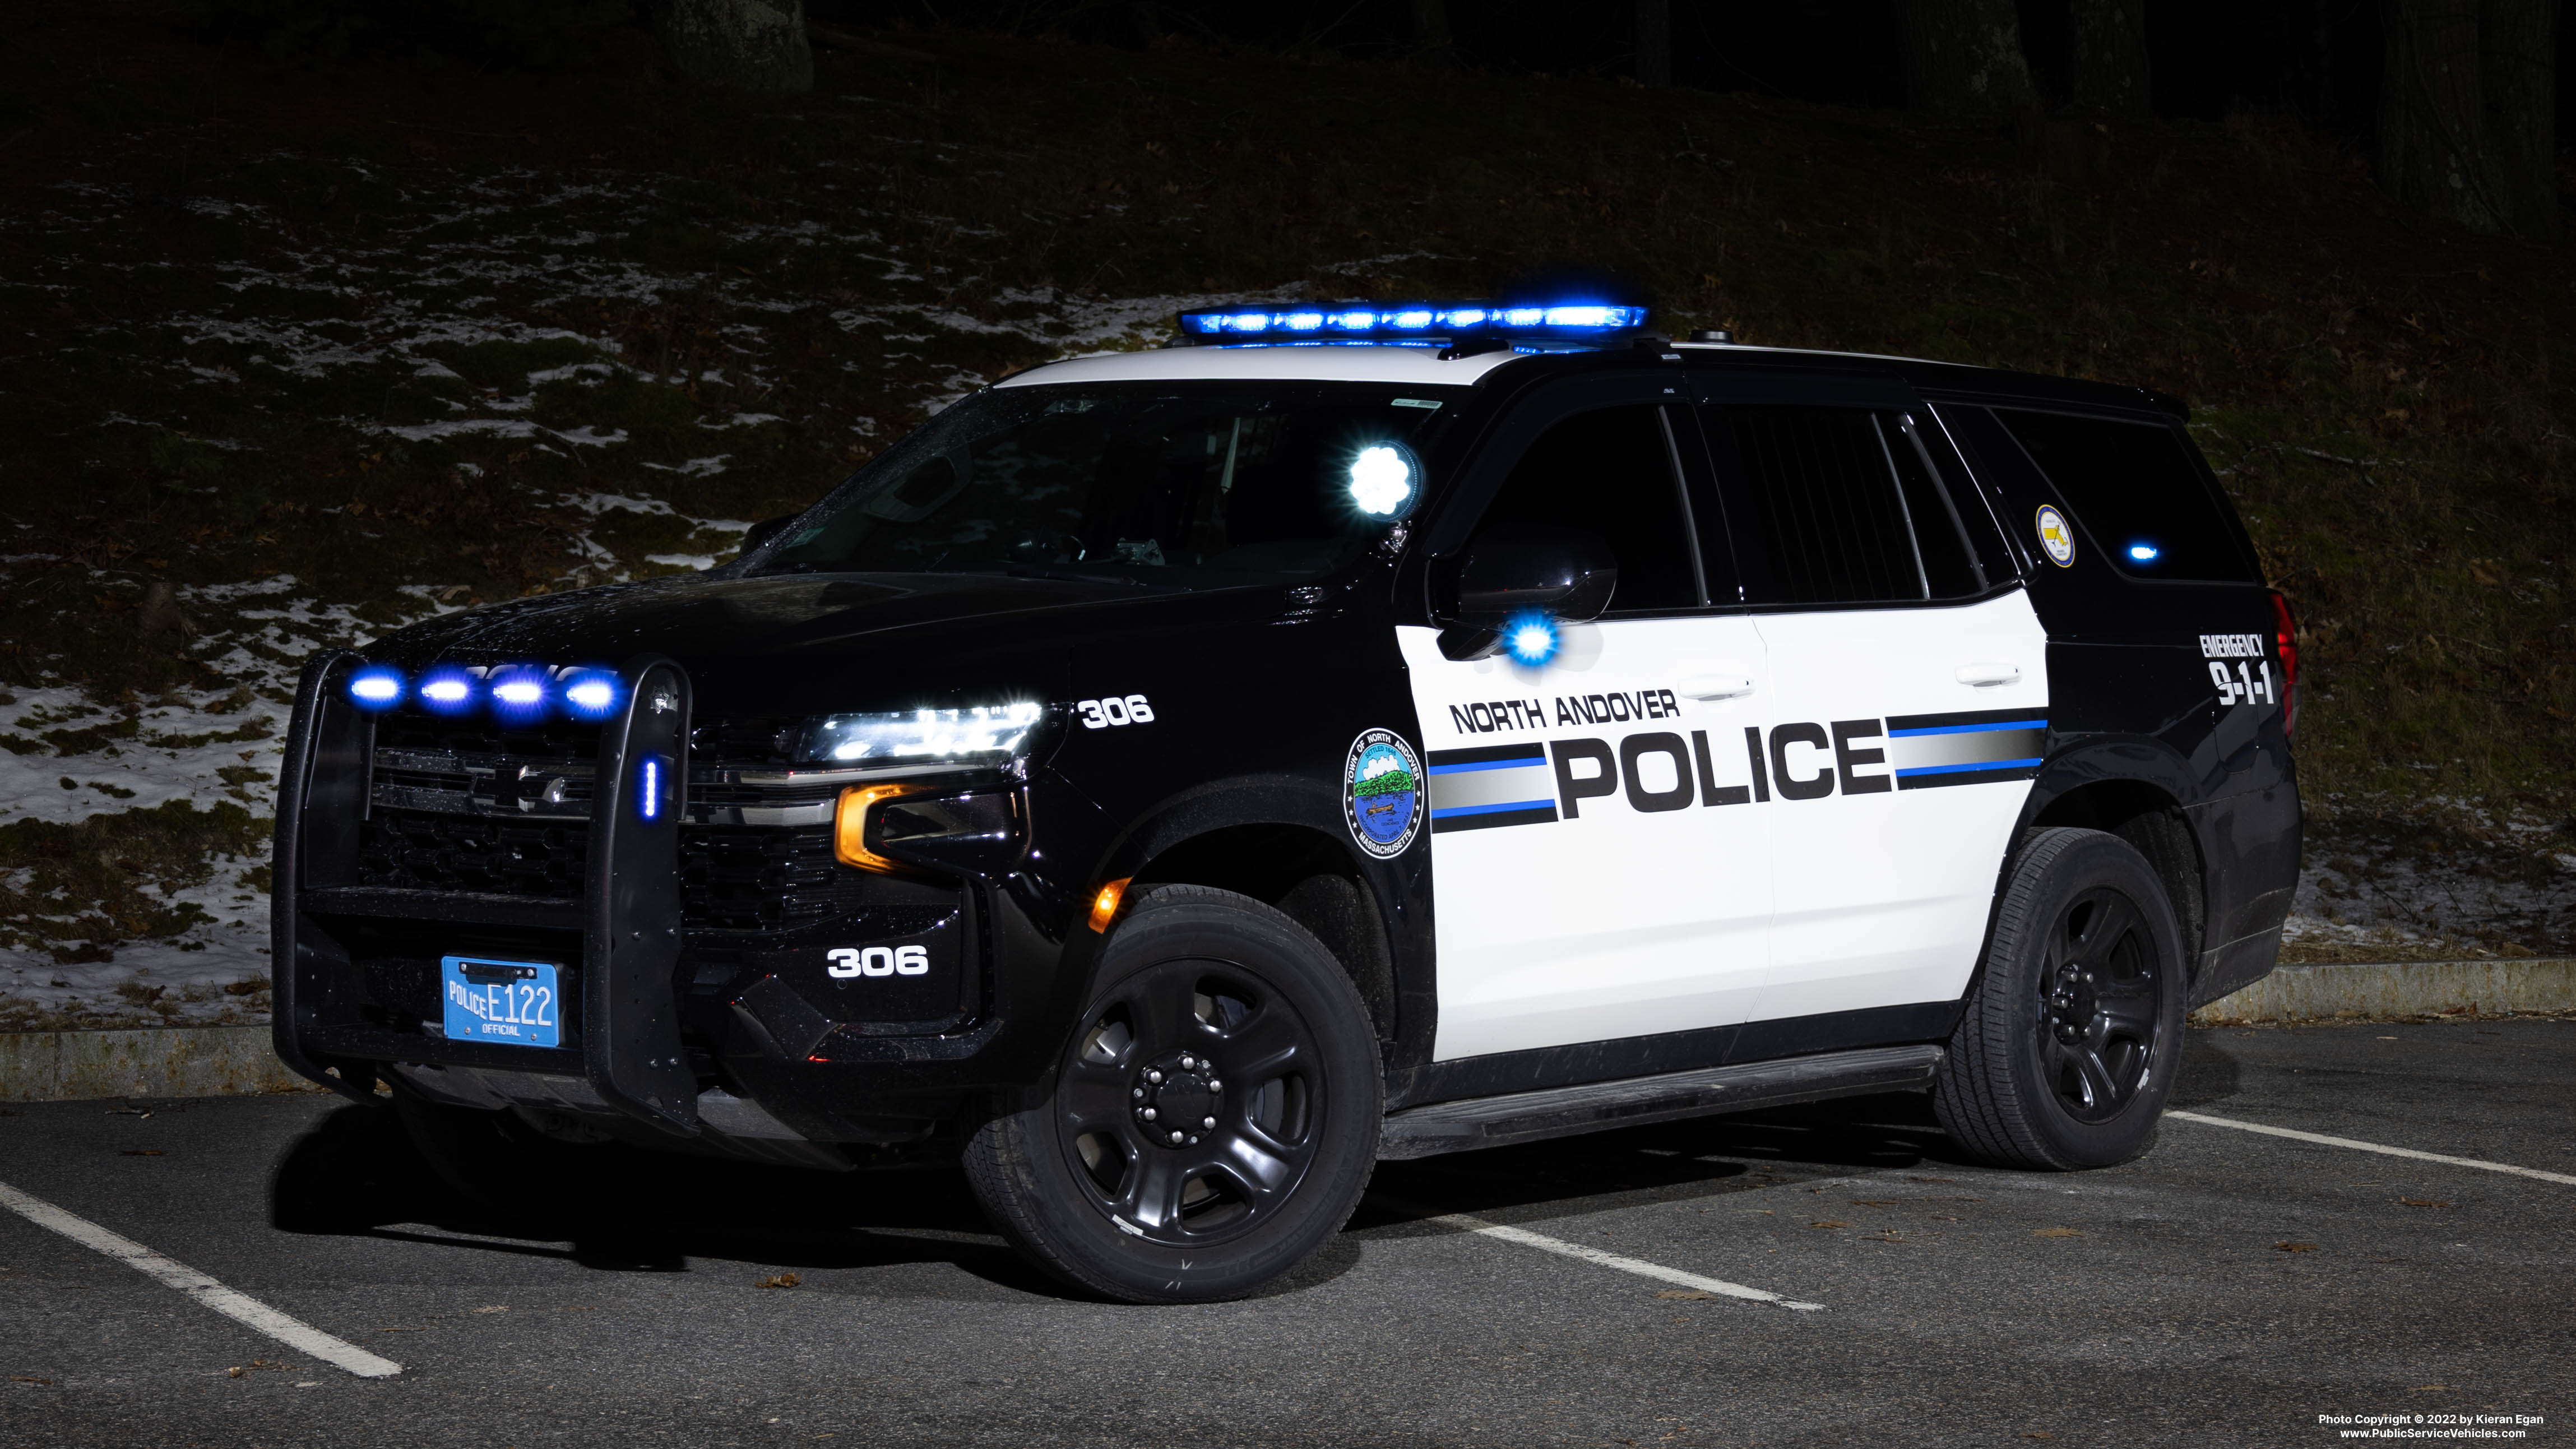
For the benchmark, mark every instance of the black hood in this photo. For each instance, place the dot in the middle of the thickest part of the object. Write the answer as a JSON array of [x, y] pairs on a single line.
[[825, 641]]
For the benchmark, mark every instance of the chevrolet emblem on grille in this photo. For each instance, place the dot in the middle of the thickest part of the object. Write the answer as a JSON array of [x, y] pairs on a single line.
[[540, 786]]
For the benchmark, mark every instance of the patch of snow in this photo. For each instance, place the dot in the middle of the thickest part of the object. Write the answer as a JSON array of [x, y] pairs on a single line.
[[695, 467]]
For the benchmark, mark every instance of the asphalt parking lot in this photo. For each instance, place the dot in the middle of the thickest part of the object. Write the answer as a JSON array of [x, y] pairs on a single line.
[[2229, 1288]]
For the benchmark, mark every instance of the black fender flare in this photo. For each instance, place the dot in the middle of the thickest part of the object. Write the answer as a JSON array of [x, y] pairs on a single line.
[[1396, 889], [2092, 760]]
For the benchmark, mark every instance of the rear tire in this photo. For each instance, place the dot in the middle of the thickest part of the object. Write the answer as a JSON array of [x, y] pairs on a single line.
[[1212, 1121], [2068, 1047]]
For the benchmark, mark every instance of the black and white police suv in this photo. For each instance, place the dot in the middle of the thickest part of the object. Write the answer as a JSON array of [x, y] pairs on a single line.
[[1176, 781]]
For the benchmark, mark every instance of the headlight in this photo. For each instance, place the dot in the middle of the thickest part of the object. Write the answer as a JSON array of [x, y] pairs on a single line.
[[981, 734]]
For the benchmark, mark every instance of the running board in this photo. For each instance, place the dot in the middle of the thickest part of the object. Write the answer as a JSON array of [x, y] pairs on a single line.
[[1598, 1106]]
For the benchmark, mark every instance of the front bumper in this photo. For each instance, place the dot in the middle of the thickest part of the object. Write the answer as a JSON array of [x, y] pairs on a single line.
[[692, 945]]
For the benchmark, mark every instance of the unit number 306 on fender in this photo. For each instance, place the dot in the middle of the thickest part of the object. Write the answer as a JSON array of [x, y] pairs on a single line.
[[1100, 714], [849, 961]]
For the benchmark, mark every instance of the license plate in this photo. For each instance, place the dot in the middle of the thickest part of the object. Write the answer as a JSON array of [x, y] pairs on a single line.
[[512, 1003]]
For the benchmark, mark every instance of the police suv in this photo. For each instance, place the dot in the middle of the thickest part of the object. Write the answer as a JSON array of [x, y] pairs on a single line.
[[1175, 781]]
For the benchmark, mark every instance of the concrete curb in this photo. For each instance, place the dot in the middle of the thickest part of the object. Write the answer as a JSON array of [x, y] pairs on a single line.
[[177, 1061], [2394, 991], [221, 1061]]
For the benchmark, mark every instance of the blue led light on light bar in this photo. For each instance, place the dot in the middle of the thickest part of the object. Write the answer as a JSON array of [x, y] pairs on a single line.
[[589, 694], [520, 696], [518, 693], [1412, 320], [449, 689], [376, 686]]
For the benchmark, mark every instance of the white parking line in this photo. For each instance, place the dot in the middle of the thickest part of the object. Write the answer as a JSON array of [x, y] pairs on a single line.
[[2323, 1140], [235, 1305], [1466, 1222]]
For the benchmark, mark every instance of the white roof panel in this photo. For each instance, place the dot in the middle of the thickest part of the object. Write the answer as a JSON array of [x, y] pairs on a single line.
[[1404, 366]]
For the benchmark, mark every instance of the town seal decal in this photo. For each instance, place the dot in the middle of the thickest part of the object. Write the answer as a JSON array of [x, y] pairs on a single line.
[[1382, 793]]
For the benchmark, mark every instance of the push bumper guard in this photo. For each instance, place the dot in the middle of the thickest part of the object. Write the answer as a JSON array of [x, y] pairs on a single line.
[[626, 1038]]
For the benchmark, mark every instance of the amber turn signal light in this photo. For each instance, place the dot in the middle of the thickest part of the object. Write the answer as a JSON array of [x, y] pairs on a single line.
[[1104, 906], [850, 827]]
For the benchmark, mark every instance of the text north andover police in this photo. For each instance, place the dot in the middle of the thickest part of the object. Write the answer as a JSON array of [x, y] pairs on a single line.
[[1490, 716]]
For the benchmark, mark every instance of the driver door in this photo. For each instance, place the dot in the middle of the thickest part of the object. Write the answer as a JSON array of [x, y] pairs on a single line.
[[1598, 871]]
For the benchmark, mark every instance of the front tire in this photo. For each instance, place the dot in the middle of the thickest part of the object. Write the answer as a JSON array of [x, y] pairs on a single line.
[[2068, 1047], [1212, 1121]]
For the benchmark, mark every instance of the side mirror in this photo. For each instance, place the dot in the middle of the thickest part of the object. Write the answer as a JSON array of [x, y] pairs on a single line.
[[1570, 578], [765, 530]]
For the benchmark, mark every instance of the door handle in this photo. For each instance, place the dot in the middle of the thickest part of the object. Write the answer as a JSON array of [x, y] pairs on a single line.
[[1986, 676], [1716, 686]]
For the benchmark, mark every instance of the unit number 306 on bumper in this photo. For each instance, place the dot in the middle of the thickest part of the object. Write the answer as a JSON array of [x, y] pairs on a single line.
[[849, 961]]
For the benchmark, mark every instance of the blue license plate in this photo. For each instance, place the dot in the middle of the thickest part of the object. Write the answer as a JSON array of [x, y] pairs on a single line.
[[512, 1003]]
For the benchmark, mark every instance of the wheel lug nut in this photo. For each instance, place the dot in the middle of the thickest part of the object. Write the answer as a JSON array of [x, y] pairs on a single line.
[[1187, 1063], [1140, 1093], [1154, 1076], [1194, 1142], [1149, 1114], [1208, 1122], [1176, 1139], [1215, 1086]]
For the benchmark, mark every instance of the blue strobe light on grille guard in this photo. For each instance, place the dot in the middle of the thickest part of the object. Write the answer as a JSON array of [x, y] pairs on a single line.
[[376, 687], [1412, 322]]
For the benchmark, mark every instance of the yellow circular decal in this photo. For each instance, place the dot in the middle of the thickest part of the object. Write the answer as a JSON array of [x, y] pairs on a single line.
[[2055, 537]]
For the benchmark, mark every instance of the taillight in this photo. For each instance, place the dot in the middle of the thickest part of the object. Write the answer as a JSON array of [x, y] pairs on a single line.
[[2287, 641]]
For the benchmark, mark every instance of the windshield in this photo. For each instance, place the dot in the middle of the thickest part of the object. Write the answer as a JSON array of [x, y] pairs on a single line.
[[1196, 485]]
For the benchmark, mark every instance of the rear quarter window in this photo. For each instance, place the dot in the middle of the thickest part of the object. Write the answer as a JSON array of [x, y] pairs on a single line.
[[2138, 494]]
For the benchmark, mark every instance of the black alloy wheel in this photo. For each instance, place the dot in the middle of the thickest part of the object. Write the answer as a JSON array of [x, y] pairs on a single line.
[[2101, 1023], [1212, 1119], [1191, 1103], [2066, 1046]]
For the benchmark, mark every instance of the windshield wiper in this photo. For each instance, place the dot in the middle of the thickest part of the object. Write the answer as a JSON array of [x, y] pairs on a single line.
[[1048, 571]]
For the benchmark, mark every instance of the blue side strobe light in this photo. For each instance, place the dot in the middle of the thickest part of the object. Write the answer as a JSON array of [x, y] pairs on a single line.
[[589, 694], [652, 786], [1530, 637], [449, 689], [376, 686], [1411, 320], [2143, 552]]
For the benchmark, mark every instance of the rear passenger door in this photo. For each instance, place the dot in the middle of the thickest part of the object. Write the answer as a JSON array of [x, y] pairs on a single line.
[[1908, 707], [1598, 868]]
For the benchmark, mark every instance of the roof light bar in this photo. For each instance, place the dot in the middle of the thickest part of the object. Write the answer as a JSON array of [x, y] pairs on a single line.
[[1571, 321]]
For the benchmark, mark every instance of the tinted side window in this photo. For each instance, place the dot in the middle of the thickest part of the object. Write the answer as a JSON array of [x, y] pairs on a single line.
[[1949, 572], [1834, 506], [2136, 490], [1607, 473]]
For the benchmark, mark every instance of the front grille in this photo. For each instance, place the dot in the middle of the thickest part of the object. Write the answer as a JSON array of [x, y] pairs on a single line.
[[427, 850], [744, 744], [463, 805], [763, 878]]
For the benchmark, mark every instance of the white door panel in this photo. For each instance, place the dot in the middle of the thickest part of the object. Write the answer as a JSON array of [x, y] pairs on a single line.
[[1589, 878], [1931, 720]]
